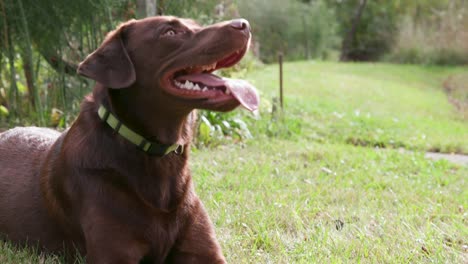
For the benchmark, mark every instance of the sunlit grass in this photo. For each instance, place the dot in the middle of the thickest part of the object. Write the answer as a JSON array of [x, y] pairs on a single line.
[[301, 202], [370, 104]]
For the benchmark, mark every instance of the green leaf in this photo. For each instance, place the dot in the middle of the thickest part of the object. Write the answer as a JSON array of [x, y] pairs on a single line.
[[205, 131], [4, 111]]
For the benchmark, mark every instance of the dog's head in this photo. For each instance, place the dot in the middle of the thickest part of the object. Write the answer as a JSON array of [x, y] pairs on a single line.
[[172, 60]]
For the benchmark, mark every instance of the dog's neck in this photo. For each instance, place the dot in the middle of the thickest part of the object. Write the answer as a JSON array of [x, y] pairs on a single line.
[[160, 184], [153, 123]]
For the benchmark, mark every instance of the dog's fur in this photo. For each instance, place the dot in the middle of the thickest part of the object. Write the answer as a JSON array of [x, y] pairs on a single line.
[[89, 190]]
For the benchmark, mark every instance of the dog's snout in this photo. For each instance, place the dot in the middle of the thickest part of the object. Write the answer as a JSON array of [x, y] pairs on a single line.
[[240, 24]]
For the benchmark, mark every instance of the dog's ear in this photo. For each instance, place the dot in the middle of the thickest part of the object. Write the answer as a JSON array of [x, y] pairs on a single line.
[[110, 64]]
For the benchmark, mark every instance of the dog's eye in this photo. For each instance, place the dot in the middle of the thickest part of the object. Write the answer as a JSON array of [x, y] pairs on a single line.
[[170, 33]]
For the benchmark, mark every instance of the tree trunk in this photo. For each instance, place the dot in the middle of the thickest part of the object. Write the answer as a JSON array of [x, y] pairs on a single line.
[[12, 101], [348, 40], [3, 100], [27, 56], [28, 74], [13, 92]]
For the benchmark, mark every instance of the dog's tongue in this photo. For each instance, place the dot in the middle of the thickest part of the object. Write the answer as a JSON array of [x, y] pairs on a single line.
[[243, 91]]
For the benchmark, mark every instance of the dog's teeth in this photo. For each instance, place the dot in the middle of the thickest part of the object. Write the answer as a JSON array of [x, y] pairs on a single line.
[[212, 66], [227, 91], [209, 67], [180, 85], [188, 85], [205, 89], [196, 87]]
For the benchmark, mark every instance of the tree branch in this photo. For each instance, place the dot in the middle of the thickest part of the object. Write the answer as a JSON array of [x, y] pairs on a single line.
[[59, 64]]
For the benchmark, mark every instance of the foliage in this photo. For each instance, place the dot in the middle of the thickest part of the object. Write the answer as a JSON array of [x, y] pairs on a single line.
[[204, 11], [4, 111], [439, 37], [422, 55], [375, 31], [215, 128], [41, 42], [40, 45], [66, 36], [299, 30]]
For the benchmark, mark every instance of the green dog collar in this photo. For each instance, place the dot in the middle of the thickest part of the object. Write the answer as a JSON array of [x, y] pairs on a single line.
[[151, 148]]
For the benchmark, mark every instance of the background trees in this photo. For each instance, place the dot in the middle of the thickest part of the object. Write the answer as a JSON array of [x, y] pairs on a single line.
[[40, 45], [41, 41]]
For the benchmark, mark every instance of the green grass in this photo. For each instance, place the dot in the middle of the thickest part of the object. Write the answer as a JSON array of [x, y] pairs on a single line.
[[456, 87], [306, 190], [302, 202], [11, 255], [370, 104]]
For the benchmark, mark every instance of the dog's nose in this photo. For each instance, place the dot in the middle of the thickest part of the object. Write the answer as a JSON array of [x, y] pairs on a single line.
[[240, 24]]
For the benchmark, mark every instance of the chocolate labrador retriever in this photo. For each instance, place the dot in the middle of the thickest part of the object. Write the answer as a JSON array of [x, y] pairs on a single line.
[[116, 186]]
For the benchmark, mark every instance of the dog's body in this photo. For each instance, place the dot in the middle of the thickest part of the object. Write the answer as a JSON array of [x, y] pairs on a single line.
[[91, 191]]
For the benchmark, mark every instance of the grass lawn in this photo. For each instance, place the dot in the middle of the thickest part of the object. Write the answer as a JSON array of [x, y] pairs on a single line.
[[328, 181], [371, 104]]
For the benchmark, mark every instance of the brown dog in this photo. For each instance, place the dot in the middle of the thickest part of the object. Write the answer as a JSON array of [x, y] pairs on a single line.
[[116, 186]]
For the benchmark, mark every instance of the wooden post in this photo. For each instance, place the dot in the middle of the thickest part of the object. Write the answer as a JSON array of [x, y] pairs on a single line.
[[151, 8], [280, 58]]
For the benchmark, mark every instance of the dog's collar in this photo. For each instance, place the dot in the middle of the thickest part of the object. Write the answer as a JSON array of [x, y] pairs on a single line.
[[151, 148]]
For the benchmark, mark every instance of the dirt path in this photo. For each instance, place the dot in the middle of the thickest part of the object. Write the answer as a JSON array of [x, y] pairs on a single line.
[[454, 158]]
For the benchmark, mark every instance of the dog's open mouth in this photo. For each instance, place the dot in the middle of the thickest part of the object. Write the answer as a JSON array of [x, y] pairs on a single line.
[[199, 82]]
